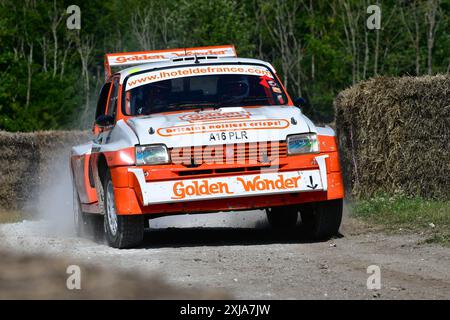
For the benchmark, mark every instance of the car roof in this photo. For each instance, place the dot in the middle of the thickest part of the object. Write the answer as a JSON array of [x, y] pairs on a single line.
[[188, 61]]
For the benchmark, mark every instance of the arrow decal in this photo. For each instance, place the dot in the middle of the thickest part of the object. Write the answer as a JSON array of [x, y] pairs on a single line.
[[264, 80], [312, 185]]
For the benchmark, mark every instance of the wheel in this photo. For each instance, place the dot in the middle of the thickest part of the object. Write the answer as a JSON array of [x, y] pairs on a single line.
[[282, 217], [322, 219], [121, 231], [86, 225], [78, 218]]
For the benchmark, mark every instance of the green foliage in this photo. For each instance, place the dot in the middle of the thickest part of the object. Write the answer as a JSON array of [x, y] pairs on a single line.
[[215, 22], [44, 84]]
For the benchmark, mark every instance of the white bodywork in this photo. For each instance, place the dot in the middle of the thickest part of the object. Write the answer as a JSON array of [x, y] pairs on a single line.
[[271, 123]]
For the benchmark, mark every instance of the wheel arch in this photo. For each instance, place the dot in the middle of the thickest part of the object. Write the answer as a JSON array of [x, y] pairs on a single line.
[[102, 167]]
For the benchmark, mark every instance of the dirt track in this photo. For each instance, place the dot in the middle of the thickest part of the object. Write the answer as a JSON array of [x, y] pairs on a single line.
[[250, 261]]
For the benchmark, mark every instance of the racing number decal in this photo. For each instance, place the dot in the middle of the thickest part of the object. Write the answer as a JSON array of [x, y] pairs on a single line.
[[232, 135]]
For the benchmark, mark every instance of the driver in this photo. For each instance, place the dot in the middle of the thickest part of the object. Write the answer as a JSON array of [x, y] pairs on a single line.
[[235, 88], [155, 98]]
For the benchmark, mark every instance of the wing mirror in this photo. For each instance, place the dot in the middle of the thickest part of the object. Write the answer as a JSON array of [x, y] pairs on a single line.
[[104, 120], [300, 102]]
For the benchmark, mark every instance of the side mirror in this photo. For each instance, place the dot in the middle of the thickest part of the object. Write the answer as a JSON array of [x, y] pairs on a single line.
[[104, 120], [300, 102]]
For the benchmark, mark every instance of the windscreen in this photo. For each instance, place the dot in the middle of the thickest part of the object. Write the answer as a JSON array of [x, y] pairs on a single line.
[[201, 87]]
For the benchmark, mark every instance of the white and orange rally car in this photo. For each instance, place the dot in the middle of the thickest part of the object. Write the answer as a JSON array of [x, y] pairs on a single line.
[[197, 130]]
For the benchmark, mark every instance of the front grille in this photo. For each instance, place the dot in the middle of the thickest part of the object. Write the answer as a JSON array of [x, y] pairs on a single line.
[[241, 153]]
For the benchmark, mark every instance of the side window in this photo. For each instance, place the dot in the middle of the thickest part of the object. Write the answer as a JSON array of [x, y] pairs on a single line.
[[112, 106], [102, 100]]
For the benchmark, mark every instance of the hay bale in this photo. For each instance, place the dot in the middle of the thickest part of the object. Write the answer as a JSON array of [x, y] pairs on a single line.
[[25, 162], [394, 136], [18, 166]]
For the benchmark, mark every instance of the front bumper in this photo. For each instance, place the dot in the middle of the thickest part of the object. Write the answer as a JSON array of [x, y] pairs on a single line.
[[232, 186], [137, 193]]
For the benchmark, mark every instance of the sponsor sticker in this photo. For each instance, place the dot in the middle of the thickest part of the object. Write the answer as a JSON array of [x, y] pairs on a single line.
[[215, 116], [231, 186], [133, 58], [173, 73], [266, 124], [277, 90]]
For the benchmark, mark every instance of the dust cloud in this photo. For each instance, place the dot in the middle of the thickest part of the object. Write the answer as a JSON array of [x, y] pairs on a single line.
[[55, 197]]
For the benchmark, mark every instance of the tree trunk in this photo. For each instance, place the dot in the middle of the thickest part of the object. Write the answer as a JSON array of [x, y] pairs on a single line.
[[258, 27], [44, 53], [376, 52], [377, 49], [143, 27], [417, 46], [63, 61], [30, 71], [55, 51], [56, 19], [432, 8], [415, 38], [366, 52], [85, 47], [350, 26], [313, 33]]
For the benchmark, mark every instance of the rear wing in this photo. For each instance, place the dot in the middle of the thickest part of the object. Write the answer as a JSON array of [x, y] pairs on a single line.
[[141, 57]]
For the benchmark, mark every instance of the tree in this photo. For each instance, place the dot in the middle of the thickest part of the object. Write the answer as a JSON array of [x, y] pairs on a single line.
[[432, 8], [284, 30], [50, 75]]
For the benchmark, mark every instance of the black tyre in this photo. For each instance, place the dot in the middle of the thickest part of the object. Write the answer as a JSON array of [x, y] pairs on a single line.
[[282, 217], [120, 231], [322, 219], [78, 215], [86, 225]]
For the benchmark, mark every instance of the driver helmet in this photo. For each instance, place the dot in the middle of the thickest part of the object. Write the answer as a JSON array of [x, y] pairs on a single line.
[[157, 93], [237, 87]]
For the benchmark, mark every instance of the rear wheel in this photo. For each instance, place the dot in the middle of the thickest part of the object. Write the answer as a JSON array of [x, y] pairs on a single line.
[[86, 225], [78, 219], [322, 219], [282, 217], [121, 231]]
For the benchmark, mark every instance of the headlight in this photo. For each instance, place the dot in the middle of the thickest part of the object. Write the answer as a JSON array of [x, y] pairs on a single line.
[[152, 154], [302, 143]]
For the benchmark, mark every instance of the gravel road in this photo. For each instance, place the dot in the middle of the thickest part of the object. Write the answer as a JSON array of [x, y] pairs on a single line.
[[239, 254]]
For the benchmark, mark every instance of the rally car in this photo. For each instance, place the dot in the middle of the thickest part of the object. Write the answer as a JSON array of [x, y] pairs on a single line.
[[198, 130]]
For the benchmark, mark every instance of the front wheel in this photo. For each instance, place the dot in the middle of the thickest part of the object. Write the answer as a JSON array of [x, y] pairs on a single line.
[[322, 219], [121, 231]]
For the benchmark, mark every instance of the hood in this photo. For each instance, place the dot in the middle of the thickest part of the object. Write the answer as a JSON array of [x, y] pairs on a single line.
[[221, 126]]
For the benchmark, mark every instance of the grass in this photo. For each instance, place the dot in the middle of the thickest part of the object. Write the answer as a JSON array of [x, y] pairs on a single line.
[[428, 217]]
